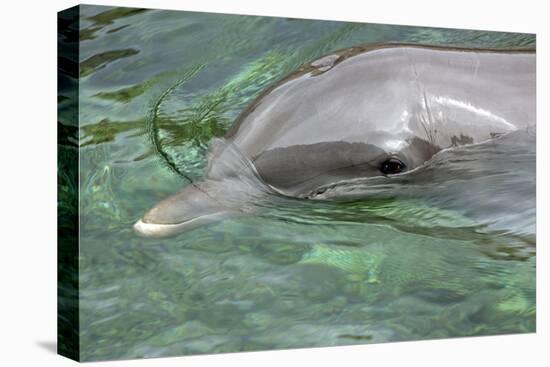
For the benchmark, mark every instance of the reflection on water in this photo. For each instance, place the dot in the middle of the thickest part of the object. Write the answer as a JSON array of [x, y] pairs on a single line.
[[448, 252]]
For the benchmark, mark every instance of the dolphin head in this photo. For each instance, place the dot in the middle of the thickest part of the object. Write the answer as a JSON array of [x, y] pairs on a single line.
[[311, 131]]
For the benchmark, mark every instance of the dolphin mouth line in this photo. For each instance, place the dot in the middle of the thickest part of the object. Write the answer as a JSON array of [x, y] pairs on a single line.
[[317, 193], [160, 230]]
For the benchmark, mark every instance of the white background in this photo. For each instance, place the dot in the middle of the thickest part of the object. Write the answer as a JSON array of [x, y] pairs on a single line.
[[28, 181]]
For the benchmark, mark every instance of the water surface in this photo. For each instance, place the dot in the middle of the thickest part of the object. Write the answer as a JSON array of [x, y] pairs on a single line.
[[449, 253]]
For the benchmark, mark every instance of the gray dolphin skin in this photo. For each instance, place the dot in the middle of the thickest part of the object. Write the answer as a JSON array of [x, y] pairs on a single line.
[[367, 111]]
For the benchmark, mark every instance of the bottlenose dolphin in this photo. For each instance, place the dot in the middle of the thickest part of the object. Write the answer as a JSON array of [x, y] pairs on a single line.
[[368, 111]]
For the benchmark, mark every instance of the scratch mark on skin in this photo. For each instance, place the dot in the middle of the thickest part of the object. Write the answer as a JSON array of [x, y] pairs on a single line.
[[426, 123], [431, 122], [476, 67]]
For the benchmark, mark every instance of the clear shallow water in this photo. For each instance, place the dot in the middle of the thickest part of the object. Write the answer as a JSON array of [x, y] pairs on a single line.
[[447, 252]]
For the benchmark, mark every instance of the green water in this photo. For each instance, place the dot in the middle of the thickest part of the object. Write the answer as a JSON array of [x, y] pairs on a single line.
[[155, 88]]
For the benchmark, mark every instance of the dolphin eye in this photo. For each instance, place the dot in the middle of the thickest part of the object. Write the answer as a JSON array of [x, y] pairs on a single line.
[[392, 166]]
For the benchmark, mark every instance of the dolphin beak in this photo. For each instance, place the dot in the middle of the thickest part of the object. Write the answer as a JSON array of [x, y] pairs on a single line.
[[192, 207]]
